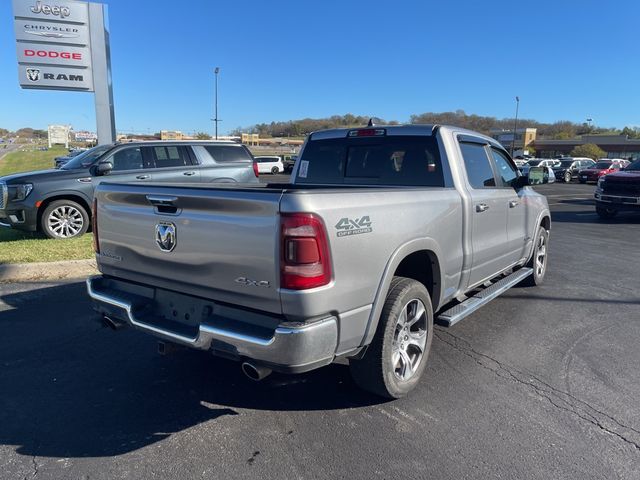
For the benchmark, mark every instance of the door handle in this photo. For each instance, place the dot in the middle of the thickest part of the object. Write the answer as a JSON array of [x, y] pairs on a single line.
[[161, 200], [188, 174], [142, 177], [513, 203], [482, 207]]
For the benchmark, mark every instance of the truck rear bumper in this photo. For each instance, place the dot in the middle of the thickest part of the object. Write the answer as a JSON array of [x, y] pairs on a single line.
[[284, 347]]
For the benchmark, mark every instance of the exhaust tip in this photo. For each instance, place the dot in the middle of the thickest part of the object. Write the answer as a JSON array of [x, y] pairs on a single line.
[[255, 372], [113, 325]]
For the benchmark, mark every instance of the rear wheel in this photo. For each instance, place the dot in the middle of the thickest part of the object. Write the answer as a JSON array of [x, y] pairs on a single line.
[[397, 357], [567, 177], [605, 212], [64, 219], [275, 170], [538, 261]]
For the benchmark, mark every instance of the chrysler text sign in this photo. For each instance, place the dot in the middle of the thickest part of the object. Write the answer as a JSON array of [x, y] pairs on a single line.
[[53, 44], [51, 32], [53, 55]]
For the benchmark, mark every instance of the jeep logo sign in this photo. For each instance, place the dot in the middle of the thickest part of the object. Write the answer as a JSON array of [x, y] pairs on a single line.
[[52, 10], [57, 11]]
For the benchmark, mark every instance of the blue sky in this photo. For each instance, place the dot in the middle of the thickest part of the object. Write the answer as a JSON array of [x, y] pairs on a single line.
[[281, 60]]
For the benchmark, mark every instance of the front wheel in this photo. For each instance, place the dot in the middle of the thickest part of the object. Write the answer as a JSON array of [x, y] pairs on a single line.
[[64, 219], [605, 212], [567, 177], [397, 357], [583, 181], [538, 261], [275, 170]]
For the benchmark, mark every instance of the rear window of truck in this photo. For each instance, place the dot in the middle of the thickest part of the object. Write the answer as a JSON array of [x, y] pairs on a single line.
[[393, 160]]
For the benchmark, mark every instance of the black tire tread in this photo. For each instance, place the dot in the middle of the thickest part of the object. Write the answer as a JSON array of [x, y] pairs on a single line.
[[368, 372]]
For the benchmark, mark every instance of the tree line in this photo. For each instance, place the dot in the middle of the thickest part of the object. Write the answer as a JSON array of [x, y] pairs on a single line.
[[559, 130]]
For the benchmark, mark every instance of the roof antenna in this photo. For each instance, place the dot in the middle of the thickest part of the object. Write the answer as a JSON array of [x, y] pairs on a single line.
[[370, 124]]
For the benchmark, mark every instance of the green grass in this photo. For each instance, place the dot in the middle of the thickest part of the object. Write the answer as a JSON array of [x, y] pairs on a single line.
[[25, 247], [29, 159]]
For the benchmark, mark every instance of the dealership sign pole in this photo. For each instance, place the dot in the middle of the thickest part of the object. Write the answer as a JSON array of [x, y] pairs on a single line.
[[64, 45]]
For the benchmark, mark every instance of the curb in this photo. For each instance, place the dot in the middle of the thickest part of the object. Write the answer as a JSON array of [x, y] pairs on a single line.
[[24, 272]]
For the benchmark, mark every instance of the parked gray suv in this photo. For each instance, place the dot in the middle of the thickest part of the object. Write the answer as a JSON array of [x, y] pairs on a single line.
[[57, 201]]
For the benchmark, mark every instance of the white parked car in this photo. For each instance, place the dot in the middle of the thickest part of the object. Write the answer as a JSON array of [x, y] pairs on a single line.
[[269, 164], [538, 162]]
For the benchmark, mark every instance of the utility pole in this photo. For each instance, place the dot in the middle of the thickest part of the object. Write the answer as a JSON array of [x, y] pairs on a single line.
[[515, 126], [216, 120]]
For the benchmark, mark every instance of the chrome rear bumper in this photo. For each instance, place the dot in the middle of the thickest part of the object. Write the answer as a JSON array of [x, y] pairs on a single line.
[[284, 348]]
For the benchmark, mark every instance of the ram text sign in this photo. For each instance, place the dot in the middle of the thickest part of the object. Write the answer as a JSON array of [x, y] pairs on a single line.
[[53, 44]]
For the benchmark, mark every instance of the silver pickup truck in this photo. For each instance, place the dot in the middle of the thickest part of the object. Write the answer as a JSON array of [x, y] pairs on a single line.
[[382, 231]]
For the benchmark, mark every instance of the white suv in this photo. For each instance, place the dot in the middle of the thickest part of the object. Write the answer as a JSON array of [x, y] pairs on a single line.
[[269, 164]]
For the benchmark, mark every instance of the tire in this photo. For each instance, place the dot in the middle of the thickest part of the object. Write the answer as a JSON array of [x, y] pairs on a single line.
[[275, 170], [393, 364], [64, 219], [539, 255], [604, 212], [583, 181], [567, 177]]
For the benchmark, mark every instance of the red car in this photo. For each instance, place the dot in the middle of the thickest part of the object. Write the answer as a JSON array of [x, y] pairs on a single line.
[[602, 167]]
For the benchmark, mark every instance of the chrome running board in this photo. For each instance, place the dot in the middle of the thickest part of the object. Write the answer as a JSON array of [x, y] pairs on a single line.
[[458, 312]]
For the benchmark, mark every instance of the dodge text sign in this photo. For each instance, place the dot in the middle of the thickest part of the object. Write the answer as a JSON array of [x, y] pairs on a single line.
[[53, 55]]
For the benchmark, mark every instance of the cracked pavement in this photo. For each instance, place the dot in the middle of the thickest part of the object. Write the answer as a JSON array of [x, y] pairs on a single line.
[[542, 383]]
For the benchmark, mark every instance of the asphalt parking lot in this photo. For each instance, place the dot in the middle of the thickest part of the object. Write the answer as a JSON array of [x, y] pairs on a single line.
[[542, 383]]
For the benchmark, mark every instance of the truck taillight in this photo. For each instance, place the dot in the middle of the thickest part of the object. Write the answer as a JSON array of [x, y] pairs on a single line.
[[255, 169], [94, 225], [304, 252]]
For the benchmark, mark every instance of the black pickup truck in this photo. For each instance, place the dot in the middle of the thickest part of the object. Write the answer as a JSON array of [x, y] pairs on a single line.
[[619, 191]]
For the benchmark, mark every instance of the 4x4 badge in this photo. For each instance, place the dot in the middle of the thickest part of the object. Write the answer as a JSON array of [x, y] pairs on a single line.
[[348, 226]]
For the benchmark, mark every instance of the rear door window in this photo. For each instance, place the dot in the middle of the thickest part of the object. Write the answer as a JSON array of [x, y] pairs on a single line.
[[228, 153], [170, 156]]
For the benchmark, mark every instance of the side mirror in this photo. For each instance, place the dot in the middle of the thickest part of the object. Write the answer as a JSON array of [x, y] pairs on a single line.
[[104, 168], [538, 175]]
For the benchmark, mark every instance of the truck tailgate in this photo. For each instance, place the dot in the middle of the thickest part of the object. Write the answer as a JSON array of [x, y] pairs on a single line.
[[225, 246]]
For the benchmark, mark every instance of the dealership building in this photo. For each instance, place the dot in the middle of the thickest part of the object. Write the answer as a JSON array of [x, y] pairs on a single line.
[[615, 146]]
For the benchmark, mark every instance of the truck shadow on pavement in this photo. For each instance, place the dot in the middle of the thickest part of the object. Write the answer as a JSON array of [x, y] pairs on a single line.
[[72, 388]]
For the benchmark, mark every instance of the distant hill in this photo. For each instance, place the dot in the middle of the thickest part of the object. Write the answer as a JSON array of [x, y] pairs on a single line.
[[560, 129]]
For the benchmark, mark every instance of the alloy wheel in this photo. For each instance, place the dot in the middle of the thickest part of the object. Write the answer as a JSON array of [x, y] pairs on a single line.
[[65, 221], [410, 339]]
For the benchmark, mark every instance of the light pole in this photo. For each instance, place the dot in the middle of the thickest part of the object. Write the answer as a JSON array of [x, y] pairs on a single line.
[[515, 126], [216, 71], [589, 122]]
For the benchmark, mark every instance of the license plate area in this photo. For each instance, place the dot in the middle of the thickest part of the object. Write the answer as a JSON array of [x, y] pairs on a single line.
[[185, 310]]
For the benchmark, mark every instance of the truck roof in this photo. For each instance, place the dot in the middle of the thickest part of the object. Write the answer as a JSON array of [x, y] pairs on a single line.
[[407, 129]]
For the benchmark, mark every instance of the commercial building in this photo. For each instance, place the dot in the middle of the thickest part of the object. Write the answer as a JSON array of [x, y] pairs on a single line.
[[524, 137], [615, 146]]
